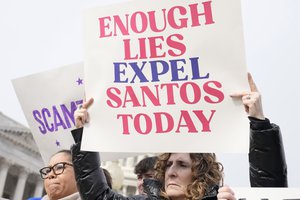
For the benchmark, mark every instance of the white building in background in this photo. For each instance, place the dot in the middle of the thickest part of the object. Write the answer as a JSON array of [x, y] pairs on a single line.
[[126, 185], [20, 162]]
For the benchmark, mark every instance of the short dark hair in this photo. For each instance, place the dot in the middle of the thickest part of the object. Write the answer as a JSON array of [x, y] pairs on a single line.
[[145, 165], [65, 151]]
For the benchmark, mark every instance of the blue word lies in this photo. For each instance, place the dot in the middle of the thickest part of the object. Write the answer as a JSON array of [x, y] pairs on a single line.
[[57, 117]]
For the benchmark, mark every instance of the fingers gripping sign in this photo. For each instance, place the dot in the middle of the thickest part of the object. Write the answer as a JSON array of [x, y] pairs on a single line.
[[251, 100], [81, 115], [254, 105], [226, 193], [252, 85]]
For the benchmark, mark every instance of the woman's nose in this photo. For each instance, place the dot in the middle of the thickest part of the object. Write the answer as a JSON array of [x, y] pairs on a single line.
[[51, 175], [172, 171]]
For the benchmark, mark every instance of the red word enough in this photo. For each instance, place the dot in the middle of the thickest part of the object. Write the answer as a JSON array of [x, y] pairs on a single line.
[[176, 17]]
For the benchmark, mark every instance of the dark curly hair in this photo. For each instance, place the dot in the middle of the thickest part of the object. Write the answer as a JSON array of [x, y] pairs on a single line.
[[206, 172]]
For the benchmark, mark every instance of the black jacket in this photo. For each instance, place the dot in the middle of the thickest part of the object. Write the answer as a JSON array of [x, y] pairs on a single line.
[[266, 156]]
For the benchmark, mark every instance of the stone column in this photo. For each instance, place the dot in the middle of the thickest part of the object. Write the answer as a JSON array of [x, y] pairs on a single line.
[[117, 175], [3, 174], [39, 188], [20, 185], [124, 189], [129, 162]]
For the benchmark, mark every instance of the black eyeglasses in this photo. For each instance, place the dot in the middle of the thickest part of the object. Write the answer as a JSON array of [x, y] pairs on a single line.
[[58, 169]]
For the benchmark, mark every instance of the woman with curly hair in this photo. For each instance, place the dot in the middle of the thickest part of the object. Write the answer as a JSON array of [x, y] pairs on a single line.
[[191, 176], [178, 176]]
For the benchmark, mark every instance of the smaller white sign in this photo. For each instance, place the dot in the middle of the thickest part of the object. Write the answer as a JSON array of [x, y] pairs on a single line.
[[49, 100]]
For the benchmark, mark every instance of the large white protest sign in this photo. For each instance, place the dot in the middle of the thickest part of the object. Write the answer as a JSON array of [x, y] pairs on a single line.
[[161, 73], [49, 100]]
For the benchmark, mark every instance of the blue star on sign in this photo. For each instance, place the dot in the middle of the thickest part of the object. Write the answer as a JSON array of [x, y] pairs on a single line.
[[79, 81]]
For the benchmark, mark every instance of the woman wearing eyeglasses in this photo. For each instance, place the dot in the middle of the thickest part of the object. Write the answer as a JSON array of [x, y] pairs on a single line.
[[59, 178]]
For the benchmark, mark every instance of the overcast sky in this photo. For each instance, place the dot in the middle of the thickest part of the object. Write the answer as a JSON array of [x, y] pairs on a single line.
[[38, 35]]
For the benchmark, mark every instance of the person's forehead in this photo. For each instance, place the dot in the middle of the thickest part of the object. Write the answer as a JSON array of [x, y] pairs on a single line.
[[180, 156], [59, 157]]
